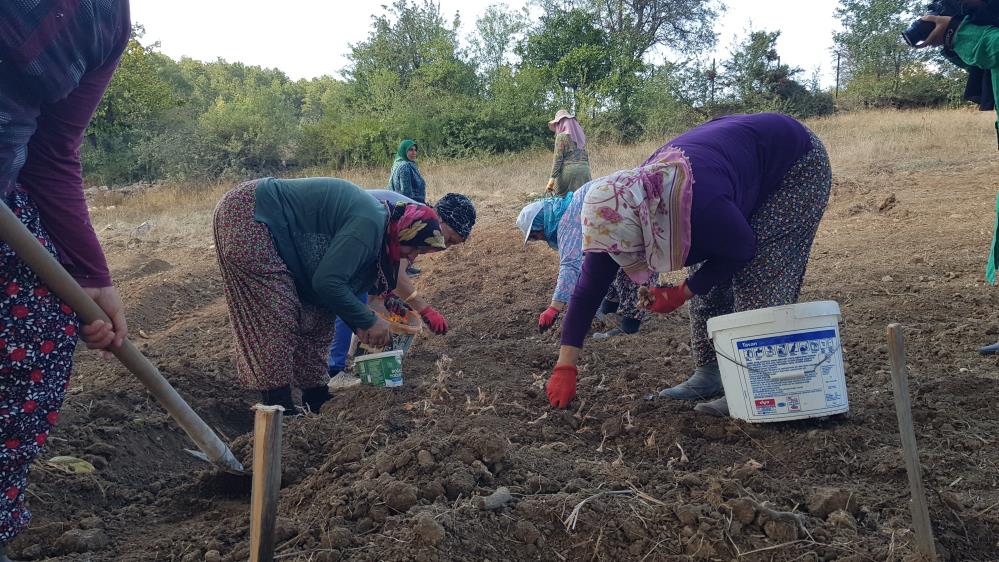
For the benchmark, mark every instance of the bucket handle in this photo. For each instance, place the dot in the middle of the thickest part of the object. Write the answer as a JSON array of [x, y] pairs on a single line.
[[783, 376]]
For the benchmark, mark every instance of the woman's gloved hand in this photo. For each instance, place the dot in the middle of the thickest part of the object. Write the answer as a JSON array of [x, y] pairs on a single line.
[[434, 319], [663, 299], [561, 387], [395, 305], [547, 318]]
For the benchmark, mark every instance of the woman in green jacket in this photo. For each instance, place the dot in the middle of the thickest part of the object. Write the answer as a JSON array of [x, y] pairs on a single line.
[[294, 254]]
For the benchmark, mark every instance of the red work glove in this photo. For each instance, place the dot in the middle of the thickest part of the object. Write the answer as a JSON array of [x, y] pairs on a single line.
[[434, 319], [562, 386], [667, 299], [547, 318]]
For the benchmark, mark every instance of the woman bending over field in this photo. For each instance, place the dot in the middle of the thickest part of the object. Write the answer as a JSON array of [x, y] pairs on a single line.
[[556, 220], [457, 214], [294, 254], [737, 199]]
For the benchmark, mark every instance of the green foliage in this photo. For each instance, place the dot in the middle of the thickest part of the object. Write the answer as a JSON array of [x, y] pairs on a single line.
[[410, 78], [572, 53], [754, 79]]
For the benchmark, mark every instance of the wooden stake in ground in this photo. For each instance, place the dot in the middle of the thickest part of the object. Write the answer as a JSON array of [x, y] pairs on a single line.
[[266, 481], [903, 408]]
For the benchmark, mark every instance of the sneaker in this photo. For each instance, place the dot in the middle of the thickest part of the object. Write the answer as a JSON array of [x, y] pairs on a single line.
[[343, 380], [413, 271], [704, 383], [608, 334], [991, 349]]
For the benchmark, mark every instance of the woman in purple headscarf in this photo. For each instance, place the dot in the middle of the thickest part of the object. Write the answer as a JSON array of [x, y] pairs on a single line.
[[571, 168]]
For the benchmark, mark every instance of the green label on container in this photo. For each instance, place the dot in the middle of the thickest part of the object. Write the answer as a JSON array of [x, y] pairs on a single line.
[[381, 371]]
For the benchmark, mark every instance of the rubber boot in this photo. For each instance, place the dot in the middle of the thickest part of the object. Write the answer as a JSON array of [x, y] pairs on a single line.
[[314, 398], [989, 349], [703, 384], [717, 407], [280, 397]]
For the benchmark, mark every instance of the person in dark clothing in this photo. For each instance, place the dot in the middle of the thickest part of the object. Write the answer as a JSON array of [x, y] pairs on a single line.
[[56, 61]]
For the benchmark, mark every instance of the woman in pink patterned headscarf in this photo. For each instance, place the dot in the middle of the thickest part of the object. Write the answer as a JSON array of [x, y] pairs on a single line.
[[571, 166], [737, 200]]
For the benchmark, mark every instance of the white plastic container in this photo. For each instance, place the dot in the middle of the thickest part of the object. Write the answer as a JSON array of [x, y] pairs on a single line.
[[781, 363], [380, 369]]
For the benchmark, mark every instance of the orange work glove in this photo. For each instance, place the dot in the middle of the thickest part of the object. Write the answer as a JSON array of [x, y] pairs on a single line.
[[562, 386], [547, 318], [667, 299]]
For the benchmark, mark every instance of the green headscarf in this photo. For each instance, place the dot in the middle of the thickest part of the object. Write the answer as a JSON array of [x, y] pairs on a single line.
[[400, 155]]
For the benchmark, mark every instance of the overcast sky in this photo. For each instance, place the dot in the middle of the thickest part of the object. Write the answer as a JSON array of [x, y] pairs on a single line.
[[309, 38]]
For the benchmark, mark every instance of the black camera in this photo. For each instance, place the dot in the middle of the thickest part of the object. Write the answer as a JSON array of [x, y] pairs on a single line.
[[917, 32], [920, 29]]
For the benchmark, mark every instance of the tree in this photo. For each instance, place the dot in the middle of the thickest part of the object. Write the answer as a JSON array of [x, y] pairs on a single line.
[[572, 51], [683, 26], [756, 80], [497, 32], [413, 41], [874, 58]]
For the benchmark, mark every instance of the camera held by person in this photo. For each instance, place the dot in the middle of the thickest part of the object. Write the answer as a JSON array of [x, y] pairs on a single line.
[[927, 31]]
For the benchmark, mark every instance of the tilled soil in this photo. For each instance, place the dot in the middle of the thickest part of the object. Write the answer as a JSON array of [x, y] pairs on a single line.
[[403, 474]]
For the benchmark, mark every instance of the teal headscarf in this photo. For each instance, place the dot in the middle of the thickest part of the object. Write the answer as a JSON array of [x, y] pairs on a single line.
[[549, 218], [400, 155]]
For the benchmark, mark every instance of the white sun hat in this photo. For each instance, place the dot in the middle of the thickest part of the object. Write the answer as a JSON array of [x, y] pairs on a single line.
[[527, 216]]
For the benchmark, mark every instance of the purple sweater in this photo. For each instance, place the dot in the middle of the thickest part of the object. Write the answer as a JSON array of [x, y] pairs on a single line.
[[49, 113], [736, 162]]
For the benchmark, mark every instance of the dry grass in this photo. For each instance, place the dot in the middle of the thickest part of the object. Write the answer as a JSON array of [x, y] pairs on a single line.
[[861, 145]]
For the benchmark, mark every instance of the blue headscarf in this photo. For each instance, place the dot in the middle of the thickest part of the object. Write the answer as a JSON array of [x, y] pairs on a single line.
[[549, 218]]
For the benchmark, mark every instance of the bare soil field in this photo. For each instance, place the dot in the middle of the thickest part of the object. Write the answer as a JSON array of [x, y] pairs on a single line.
[[399, 474]]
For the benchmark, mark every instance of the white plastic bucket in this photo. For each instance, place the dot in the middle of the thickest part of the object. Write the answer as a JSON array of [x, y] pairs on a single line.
[[781, 363], [380, 369]]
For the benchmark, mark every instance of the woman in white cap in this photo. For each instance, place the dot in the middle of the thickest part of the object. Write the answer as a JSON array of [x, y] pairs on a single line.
[[571, 167], [556, 220]]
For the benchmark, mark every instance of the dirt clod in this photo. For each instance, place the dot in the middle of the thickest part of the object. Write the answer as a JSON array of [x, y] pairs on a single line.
[[743, 510], [526, 532], [400, 496], [81, 540], [425, 459], [782, 529], [213, 556], [842, 519], [428, 530], [827, 500]]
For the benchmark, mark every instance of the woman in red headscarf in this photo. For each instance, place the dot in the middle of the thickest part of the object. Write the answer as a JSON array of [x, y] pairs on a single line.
[[294, 254]]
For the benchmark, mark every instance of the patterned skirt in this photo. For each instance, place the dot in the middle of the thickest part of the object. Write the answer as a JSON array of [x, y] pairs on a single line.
[[279, 340], [38, 334], [785, 227]]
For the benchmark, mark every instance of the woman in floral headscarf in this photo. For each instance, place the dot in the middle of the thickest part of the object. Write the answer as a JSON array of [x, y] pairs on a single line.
[[737, 199], [294, 254], [556, 220], [571, 164]]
